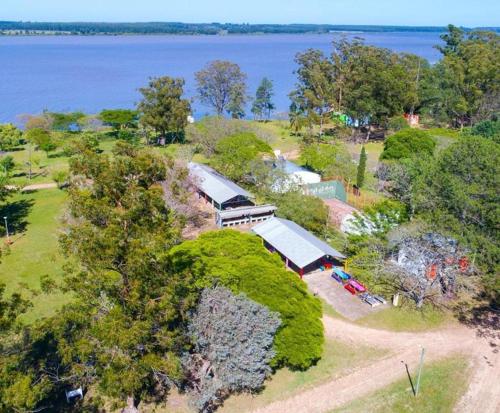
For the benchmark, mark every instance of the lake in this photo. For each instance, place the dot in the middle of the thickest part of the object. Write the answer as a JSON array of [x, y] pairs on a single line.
[[68, 73]]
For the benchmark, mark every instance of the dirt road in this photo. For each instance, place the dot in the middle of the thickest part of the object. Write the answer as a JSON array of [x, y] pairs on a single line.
[[482, 396]]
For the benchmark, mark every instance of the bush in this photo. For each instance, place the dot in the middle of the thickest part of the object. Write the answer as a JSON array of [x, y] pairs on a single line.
[[487, 129], [240, 263], [408, 143], [397, 123]]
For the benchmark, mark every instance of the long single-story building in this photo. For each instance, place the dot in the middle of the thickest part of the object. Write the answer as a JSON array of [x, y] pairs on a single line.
[[244, 215], [302, 251], [217, 189]]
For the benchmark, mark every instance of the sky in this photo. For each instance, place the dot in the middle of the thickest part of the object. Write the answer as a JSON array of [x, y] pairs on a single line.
[[377, 12]]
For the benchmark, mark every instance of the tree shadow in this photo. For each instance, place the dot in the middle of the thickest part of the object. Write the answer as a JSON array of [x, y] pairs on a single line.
[[486, 321], [16, 213]]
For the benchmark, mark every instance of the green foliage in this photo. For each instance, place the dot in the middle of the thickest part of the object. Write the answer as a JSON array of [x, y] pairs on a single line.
[[7, 164], [487, 129], [460, 193], [305, 210], [66, 121], [408, 143], [360, 176], [330, 160], [236, 155], [122, 331], [60, 178], [42, 139], [10, 137], [241, 263], [222, 85], [397, 123], [163, 109], [467, 78], [263, 105], [315, 92], [119, 118]]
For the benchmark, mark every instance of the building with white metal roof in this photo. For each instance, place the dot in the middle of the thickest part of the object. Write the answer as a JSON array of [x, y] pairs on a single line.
[[301, 250], [217, 189]]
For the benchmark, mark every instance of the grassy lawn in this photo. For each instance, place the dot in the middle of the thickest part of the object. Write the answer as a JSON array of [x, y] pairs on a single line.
[[44, 166], [34, 217], [278, 135], [406, 318], [338, 359], [441, 386], [373, 151]]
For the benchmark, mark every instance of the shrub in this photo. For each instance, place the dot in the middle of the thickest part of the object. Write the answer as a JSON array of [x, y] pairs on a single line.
[[408, 143], [487, 129], [240, 263], [397, 123]]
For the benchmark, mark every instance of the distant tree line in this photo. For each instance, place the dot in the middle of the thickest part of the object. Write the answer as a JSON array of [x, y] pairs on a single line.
[[91, 28]]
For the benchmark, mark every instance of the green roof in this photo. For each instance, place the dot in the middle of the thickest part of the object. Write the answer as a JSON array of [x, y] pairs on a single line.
[[327, 190]]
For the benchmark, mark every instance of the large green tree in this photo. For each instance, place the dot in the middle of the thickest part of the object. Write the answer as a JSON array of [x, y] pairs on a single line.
[[468, 77], [163, 108], [119, 118], [314, 94], [261, 276], [236, 156], [123, 331], [222, 86]]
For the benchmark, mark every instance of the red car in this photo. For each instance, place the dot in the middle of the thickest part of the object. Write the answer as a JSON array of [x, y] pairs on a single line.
[[350, 288]]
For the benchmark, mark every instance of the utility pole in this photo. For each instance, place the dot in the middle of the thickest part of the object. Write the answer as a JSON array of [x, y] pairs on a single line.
[[419, 371], [7, 230]]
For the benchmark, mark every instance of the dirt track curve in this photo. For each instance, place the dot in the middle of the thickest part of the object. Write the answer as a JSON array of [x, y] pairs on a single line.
[[483, 394]]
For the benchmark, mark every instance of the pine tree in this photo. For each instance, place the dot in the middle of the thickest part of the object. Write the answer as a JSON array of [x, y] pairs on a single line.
[[360, 179], [263, 105]]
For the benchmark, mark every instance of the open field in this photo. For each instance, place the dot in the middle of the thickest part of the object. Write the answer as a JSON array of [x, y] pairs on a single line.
[[34, 217], [43, 166], [441, 386]]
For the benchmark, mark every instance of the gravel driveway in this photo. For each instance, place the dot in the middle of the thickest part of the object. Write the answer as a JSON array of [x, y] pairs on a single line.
[[350, 306]]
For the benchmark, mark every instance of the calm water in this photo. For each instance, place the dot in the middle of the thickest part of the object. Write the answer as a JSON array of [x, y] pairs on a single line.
[[92, 73]]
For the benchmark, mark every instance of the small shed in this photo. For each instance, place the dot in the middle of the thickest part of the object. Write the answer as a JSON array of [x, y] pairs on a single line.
[[302, 251], [217, 189]]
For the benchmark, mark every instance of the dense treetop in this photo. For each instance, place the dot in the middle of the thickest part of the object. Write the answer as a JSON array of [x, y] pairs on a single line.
[[241, 263]]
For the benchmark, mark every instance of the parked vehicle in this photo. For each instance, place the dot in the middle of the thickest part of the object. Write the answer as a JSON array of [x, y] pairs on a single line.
[[336, 277], [357, 285], [341, 274], [380, 298], [350, 288], [369, 299]]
